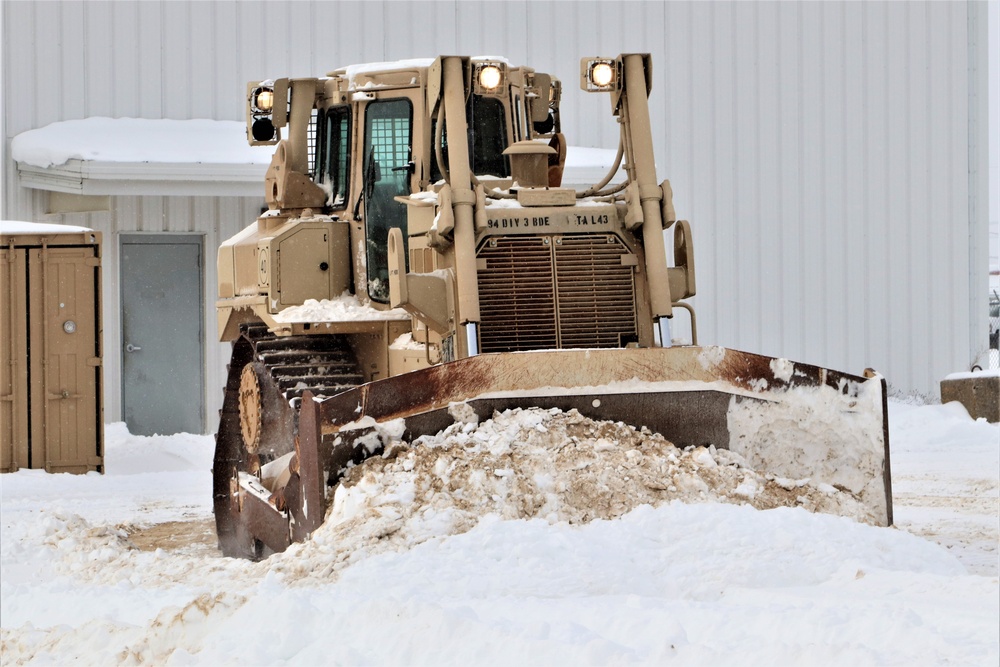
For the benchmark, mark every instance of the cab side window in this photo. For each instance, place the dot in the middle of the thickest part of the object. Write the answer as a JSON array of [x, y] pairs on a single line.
[[334, 155], [487, 122]]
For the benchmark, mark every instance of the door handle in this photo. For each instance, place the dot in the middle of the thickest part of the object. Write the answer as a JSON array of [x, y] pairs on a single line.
[[129, 347]]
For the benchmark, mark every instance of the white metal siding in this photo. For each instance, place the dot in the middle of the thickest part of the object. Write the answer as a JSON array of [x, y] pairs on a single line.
[[821, 150]]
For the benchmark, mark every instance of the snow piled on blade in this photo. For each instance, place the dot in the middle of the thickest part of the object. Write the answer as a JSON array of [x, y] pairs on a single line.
[[817, 432], [535, 464]]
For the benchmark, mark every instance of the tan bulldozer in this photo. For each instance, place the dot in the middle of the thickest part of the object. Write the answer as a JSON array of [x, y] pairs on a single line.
[[420, 252]]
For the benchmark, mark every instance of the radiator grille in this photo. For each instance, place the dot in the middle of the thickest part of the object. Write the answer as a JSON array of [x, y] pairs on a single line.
[[547, 292]]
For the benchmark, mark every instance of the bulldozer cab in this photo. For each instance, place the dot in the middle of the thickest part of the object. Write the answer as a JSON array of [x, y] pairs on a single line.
[[373, 134]]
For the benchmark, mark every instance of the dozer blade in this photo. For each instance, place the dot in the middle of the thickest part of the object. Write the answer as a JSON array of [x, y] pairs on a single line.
[[787, 419]]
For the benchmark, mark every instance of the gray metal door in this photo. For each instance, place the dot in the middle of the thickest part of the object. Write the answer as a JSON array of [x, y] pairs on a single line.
[[162, 334]]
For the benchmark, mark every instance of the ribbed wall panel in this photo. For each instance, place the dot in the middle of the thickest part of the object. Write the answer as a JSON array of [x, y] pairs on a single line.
[[821, 150]]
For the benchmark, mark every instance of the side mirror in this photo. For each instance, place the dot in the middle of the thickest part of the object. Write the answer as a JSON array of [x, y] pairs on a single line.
[[541, 85]]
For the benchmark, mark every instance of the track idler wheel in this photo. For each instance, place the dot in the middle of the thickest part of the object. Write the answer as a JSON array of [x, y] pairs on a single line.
[[237, 451], [250, 409], [263, 487]]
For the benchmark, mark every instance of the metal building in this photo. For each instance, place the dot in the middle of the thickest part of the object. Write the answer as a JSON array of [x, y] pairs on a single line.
[[831, 157]]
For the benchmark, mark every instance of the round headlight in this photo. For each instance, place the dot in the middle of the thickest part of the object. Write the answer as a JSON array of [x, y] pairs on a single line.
[[601, 74], [489, 77], [265, 100]]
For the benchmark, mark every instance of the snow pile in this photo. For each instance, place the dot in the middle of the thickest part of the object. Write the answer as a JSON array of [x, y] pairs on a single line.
[[138, 454], [817, 432], [972, 375], [344, 308], [527, 464]]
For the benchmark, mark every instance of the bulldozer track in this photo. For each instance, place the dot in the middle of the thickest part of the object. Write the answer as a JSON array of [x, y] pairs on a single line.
[[267, 406]]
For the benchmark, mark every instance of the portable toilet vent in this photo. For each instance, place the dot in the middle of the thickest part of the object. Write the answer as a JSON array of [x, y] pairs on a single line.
[[51, 406]]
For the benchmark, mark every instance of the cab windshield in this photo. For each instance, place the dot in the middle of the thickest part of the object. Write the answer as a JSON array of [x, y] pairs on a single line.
[[487, 121]]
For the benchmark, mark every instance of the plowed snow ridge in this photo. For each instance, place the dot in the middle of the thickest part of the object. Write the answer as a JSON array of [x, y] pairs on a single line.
[[526, 464]]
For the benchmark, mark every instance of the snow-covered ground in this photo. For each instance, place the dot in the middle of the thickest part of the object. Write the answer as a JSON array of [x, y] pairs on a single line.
[[122, 568]]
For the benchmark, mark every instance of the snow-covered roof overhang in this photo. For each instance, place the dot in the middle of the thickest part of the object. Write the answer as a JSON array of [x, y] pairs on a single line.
[[90, 177], [132, 156]]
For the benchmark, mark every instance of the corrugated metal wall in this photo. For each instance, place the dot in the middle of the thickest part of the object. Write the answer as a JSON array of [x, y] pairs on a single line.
[[821, 150]]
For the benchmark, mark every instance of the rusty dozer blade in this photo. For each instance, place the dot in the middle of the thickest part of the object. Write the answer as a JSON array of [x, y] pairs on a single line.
[[787, 419]]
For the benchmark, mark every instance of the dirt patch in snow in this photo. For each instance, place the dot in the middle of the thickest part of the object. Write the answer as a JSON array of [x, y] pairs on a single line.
[[531, 464], [197, 535]]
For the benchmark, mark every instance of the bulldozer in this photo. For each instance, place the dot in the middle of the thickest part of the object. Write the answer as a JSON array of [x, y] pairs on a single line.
[[420, 252]]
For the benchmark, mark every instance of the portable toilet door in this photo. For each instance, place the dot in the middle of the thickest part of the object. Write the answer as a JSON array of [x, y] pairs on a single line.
[[51, 393]]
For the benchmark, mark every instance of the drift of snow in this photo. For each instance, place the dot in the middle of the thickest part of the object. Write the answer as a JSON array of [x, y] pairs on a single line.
[[972, 375], [490, 549]]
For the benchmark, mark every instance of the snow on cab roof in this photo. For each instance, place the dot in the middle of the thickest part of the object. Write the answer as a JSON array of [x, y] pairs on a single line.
[[352, 72]]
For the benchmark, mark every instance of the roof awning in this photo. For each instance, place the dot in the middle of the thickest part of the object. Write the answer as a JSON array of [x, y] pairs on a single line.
[[135, 156], [132, 156], [89, 177]]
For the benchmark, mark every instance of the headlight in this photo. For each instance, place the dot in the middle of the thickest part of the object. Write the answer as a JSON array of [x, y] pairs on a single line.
[[265, 100], [489, 78], [601, 74], [598, 74], [262, 100]]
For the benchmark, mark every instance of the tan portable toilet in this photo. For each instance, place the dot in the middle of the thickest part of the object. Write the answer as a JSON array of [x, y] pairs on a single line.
[[51, 383]]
